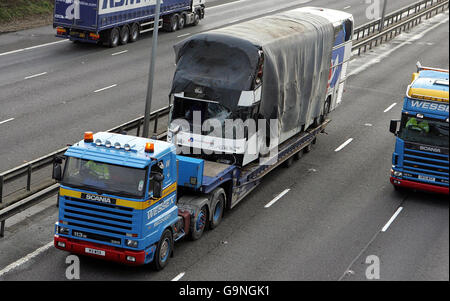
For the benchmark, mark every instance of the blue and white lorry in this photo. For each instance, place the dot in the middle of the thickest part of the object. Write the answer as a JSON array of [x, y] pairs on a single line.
[[114, 22], [128, 199], [421, 157]]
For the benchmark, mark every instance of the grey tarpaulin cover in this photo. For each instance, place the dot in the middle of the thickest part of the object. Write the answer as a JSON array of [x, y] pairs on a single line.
[[297, 49]]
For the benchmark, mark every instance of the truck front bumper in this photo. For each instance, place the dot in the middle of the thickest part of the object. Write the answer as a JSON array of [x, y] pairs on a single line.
[[104, 252], [419, 186]]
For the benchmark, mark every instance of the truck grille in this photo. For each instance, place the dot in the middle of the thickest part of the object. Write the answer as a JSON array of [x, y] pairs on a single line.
[[426, 167], [97, 221]]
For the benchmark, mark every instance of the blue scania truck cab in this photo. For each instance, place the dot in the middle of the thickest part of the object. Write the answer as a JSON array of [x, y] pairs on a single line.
[[421, 157], [114, 22], [117, 199]]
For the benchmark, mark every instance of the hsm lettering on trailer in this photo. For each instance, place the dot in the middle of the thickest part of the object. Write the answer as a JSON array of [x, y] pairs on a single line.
[[110, 6]]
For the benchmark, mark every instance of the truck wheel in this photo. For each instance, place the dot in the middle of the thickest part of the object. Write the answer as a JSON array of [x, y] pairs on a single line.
[[113, 37], [163, 250], [124, 34], [219, 198], [134, 32], [196, 19], [199, 223], [171, 24], [181, 22]]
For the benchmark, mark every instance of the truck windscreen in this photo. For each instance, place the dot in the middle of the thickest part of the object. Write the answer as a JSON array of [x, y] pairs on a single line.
[[104, 178], [425, 131]]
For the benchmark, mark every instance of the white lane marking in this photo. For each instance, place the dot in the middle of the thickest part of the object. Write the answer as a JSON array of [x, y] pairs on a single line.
[[46, 44], [35, 75], [120, 52], [347, 7], [184, 35], [390, 107], [276, 198], [225, 4], [5, 121], [178, 277], [343, 145], [389, 52], [32, 47], [105, 88], [25, 259], [11, 52], [392, 219]]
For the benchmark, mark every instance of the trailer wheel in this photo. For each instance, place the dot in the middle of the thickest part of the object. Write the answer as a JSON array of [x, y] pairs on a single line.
[[124, 34], [198, 224], [134, 32], [163, 250], [113, 37], [219, 198]]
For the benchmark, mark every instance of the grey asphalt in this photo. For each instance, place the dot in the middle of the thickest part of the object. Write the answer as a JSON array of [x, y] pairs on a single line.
[[328, 223]]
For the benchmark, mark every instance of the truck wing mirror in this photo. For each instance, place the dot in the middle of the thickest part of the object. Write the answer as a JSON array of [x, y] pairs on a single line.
[[393, 127], [57, 171]]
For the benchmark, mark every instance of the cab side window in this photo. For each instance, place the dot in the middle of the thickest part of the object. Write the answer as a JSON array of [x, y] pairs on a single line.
[[154, 170]]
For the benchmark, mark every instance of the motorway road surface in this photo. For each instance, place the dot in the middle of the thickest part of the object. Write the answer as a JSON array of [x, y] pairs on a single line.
[[52, 90], [338, 211]]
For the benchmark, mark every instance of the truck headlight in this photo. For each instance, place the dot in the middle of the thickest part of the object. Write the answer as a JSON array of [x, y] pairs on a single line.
[[131, 243], [62, 230], [398, 174]]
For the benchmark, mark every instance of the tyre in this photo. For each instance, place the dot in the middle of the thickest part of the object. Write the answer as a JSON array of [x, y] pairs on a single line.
[[298, 155], [163, 250], [124, 35], [171, 24], [307, 148], [198, 224], [134, 33], [196, 19], [219, 199], [181, 22], [113, 37], [288, 162]]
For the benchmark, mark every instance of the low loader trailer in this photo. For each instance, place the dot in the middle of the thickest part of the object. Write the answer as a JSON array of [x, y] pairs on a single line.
[[128, 199]]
